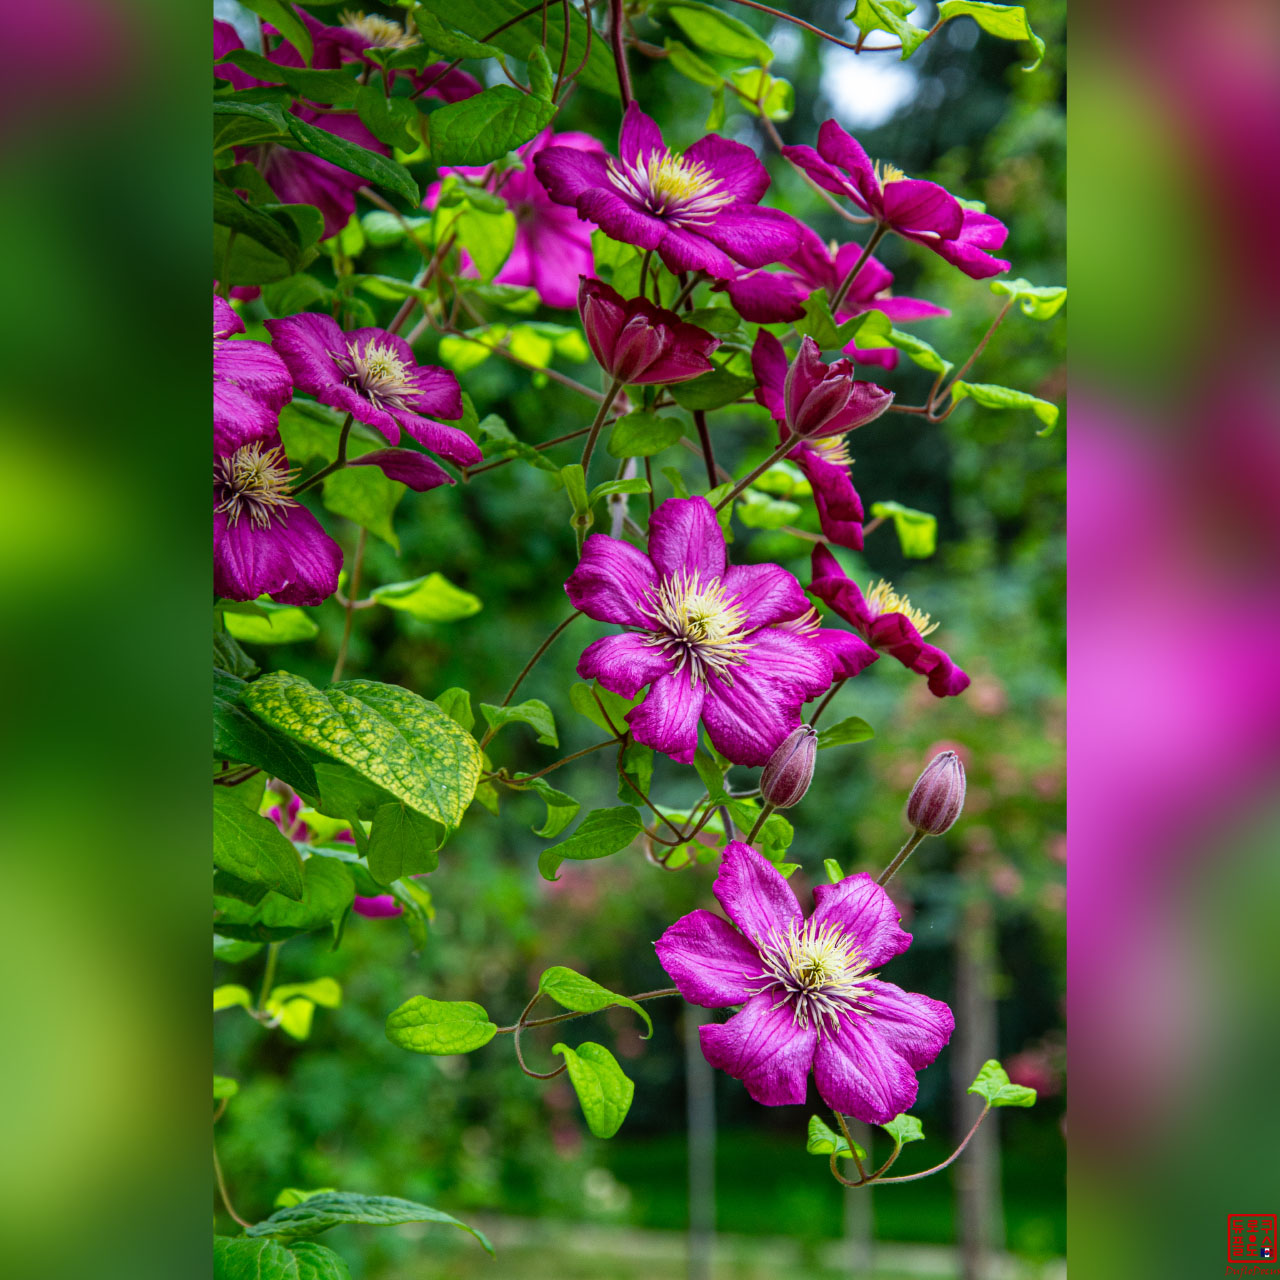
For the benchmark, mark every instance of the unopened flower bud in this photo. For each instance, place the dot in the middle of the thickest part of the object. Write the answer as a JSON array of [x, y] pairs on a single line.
[[788, 772], [938, 796]]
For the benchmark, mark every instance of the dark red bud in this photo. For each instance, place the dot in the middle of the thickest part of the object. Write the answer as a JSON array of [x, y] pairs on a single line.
[[938, 796], [788, 772]]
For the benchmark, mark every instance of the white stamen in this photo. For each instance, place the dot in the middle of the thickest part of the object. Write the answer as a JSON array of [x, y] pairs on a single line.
[[671, 186], [698, 625], [255, 482], [815, 971]]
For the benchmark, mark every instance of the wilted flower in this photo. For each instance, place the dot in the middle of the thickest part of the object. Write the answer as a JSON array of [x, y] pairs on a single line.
[[810, 999], [637, 342], [938, 796], [789, 771], [888, 622], [699, 210], [250, 384], [703, 635], [917, 210], [374, 375]]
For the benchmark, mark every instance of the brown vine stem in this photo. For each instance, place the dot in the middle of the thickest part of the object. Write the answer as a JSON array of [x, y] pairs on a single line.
[[822, 706], [222, 1191], [936, 399], [357, 565], [515, 1031], [937, 1168], [528, 666], [529, 777], [568, 1017], [616, 33]]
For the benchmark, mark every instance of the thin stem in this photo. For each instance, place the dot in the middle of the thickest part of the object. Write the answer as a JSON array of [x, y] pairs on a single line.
[[937, 1168], [657, 813], [546, 444], [760, 821], [268, 975], [644, 272], [222, 1191], [520, 1025], [786, 17], [357, 565], [568, 1017], [336, 465], [619, 52], [614, 387], [902, 855], [648, 475], [686, 291], [708, 449], [528, 666], [776, 456], [847, 283], [586, 751], [936, 399], [822, 706], [853, 1150]]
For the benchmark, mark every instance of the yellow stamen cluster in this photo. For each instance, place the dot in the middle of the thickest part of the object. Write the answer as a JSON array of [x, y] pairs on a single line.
[[379, 372], [253, 481], [816, 971], [700, 626], [380, 32], [887, 173], [882, 598], [668, 183], [835, 449]]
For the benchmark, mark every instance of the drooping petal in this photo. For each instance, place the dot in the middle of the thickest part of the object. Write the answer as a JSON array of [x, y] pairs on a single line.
[[827, 176], [839, 506], [769, 364], [860, 1075], [639, 137], [407, 466], [850, 654], [838, 148], [969, 250], [764, 1048], [613, 582], [304, 342], [293, 561], [685, 537], [753, 236], [255, 367], [905, 310], [911, 204], [895, 634], [225, 320], [914, 1026], [448, 442], [710, 961], [754, 894], [735, 167], [624, 664], [667, 719], [835, 588], [862, 910], [687, 249], [567, 173], [766, 297], [766, 592]]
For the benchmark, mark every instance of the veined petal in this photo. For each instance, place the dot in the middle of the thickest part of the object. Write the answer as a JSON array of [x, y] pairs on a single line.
[[256, 368], [449, 442], [767, 592], [968, 251], [754, 894], [225, 320], [850, 654], [624, 664], [864, 912], [914, 1026], [895, 634], [860, 1075], [736, 167], [406, 466], [639, 137], [827, 176], [238, 418], [710, 961], [833, 587], [685, 537], [568, 173], [838, 148], [769, 364], [752, 235], [912, 204], [766, 297], [304, 342], [613, 582], [764, 1048], [688, 249], [293, 561], [667, 719]]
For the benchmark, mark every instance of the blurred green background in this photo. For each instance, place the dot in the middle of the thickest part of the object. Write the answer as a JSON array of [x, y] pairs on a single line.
[[474, 1136]]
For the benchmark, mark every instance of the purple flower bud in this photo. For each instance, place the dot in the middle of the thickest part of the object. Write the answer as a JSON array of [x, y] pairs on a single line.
[[818, 399], [788, 772], [938, 796], [637, 342]]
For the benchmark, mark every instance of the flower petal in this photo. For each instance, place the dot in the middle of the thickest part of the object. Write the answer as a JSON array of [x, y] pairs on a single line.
[[567, 173], [304, 342], [753, 236], [407, 466], [255, 367], [911, 204], [612, 582], [667, 719], [639, 137], [685, 537], [850, 654], [449, 442], [621, 219], [735, 167], [238, 418], [293, 561], [688, 249], [833, 587], [710, 961], [754, 894], [624, 664], [968, 250], [827, 176], [225, 319], [769, 364], [859, 1074], [764, 1048], [895, 634], [862, 910], [839, 506], [767, 592], [838, 148], [915, 1026], [766, 297]]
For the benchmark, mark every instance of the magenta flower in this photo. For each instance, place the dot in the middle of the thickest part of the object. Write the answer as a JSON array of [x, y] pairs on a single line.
[[264, 541], [374, 375], [377, 908], [887, 621], [917, 210], [637, 342], [703, 635], [809, 999], [820, 403], [250, 384], [699, 210]]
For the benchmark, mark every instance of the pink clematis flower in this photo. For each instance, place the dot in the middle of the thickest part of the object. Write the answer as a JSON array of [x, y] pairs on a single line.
[[636, 342], [820, 404], [887, 621], [705, 636], [809, 998], [698, 210], [917, 210], [250, 384], [374, 375]]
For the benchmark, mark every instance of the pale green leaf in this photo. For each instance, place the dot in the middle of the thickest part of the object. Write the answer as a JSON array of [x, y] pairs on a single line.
[[439, 1026], [430, 599], [917, 530], [535, 713], [601, 833], [572, 990], [823, 1140], [603, 1088], [1006, 21], [994, 1085]]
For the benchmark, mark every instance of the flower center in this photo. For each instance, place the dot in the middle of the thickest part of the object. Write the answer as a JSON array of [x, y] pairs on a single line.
[[815, 970], [700, 626], [886, 173], [253, 481], [835, 449], [882, 598], [668, 184], [380, 32], [378, 372]]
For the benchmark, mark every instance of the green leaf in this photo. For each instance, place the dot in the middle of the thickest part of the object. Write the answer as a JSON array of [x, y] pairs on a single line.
[[854, 729], [395, 121], [488, 238], [293, 1004], [277, 624], [711, 390], [1040, 302], [396, 739], [757, 511], [230, 996], [322, 991], [284, 18], [582, 697], [1006, 21], [242, 124], [712, 776], [642, 434], [402, 843], [609, 487], [601, 833], [891, 16], [230, 659], [692, 67], [561, 807], [430, 599], [238, 736], [993, 397], [480, 17], [714, 31], [364, 163], [486, 126], [252, 848], [319, 86], [541, 80], [823, 1140], [333, 1208], [225, 1087], [439, 1027], [775, 95], [327, 896], [245, 1259], [919, 351], [637, 768], [535, 713], [267, 245], [602, 1086], [574, 991], [447, 40], [835, 873], [456, 704], [903, 1129], [994, 1085], [296, 1195], [917, 530], [367, 497]]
